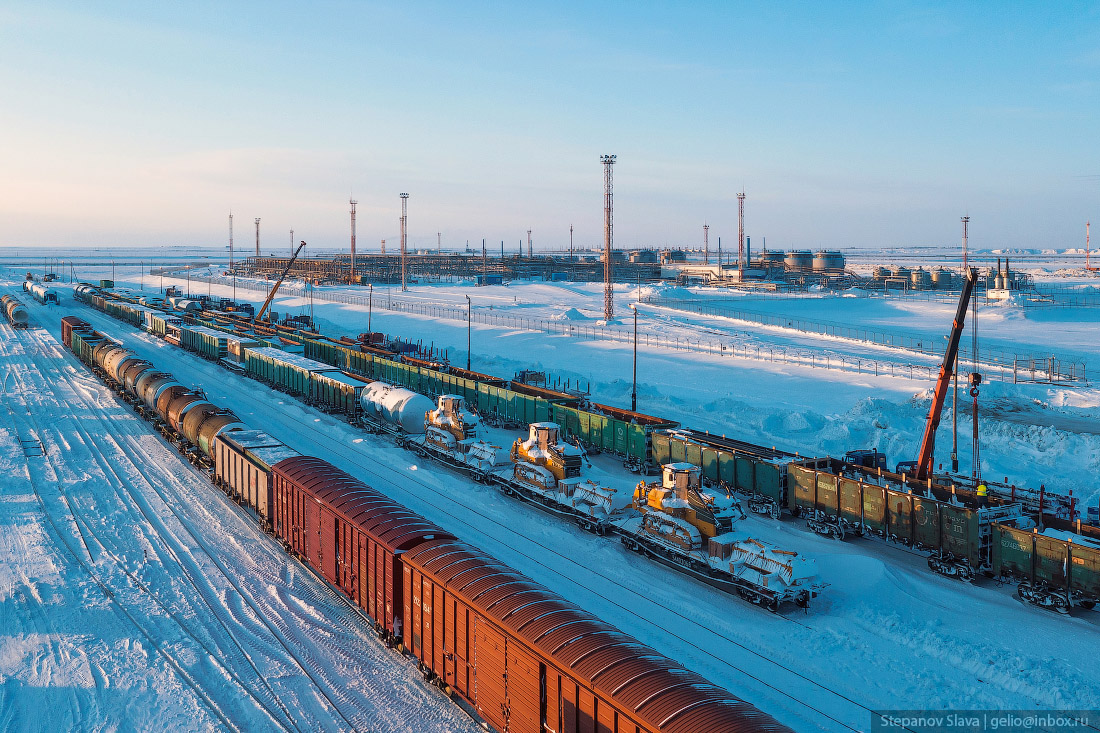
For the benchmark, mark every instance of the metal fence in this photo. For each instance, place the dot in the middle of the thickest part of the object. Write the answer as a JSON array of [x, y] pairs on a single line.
[[1059, 368], [813, 358]]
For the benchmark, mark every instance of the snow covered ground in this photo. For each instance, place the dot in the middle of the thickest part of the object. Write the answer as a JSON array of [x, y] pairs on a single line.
[[886, 633]]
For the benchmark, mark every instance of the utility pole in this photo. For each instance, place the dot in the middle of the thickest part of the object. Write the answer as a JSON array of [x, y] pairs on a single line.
[[741, 237], [257, 236], [634, 389], [404, 241], [232, 268], [706, 244], [370, 308], [352, 202], [469, 311], [608, 238]]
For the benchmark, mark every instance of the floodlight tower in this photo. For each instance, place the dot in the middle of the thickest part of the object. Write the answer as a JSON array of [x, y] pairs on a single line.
[[608, 292], [291, 242], [966, 254], [741, 236], [353, 202], [706, 244], [232, 268], [257, 236], [404, 240]]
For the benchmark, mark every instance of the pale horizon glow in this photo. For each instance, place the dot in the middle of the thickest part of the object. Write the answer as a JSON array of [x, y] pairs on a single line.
[[127, 124]]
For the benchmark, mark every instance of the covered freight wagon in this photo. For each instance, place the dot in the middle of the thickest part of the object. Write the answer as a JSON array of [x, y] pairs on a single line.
[[290, 373]]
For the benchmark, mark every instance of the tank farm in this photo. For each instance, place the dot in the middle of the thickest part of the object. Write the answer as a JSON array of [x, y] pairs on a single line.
[[703, 479]]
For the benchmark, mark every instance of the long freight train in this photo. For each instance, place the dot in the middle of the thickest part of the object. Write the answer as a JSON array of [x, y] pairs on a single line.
[[844, 498], [523, 659]]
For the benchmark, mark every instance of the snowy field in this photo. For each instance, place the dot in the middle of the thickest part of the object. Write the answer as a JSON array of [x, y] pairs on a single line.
[[208, 622]]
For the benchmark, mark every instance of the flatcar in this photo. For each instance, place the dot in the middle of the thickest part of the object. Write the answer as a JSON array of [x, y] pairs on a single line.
[[523, 659]]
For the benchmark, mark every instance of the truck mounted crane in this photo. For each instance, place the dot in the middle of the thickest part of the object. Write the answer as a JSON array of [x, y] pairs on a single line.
[[274, 290], [928, 443]]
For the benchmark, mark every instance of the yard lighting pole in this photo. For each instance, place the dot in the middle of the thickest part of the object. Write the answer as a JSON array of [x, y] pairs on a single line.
[[143, 275], [634, 388], [469, 309], [370, 309]]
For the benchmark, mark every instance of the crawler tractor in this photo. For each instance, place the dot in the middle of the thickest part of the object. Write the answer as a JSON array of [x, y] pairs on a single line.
[[677, 513], [542, 461]]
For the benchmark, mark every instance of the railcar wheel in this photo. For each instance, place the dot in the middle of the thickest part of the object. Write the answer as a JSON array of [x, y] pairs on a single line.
[[1087, 605]]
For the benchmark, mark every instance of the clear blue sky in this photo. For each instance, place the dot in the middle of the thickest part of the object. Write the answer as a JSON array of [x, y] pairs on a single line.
[[847, 124]]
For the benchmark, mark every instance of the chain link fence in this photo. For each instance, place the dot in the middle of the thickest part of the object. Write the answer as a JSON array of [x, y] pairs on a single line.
[[775, 353]]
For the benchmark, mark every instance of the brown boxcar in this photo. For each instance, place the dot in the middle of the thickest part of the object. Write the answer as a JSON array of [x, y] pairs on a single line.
[[68, 323], [529, 661], [352, 535]]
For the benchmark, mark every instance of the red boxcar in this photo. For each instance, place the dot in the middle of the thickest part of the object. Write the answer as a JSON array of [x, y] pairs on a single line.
[[349, 533], [529, 661]]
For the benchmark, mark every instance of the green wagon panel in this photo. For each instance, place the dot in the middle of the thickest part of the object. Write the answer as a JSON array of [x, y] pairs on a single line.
[[802, 483], [1013, 551], [678, 452], [899, 516], [745, 474], [926, 522], [693, 453], [1084, 575], [874, 507], [619, 432], [662, 451], [770, 480], [710, 464], [960, 532], [827, 494], [636, 443], [727, 467], [850, 496], [1051, 561]]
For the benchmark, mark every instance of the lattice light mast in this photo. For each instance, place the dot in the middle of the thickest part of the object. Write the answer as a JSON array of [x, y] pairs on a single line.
[[257, 236], [352, 202], [741, 236], [232, 268], [706, 244], [404, 240], [291, 242], [608, 292], [966, 254]]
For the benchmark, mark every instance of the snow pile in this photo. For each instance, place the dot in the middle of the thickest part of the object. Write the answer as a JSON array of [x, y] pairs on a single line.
[[572, 314]]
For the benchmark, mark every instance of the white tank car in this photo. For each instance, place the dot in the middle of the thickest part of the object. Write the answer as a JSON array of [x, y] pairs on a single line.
[[397, 406]]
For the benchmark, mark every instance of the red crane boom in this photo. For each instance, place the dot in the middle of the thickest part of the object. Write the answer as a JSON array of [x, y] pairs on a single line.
[[928, 444], [271, 295]]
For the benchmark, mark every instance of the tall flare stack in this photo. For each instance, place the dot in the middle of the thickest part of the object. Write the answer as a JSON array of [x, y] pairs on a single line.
[[608, 227]]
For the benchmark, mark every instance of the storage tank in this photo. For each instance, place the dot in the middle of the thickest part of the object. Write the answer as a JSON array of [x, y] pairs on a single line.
[[828, 260], [772, 259], [396, 405], [879, 273], [799, 259], [941, 279], [899, 271], [921, 278]]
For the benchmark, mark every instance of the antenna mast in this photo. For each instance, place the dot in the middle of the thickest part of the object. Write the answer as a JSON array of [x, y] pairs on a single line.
[[353, 202], [232, 268], [741, 236], [608, 220], [404, 240]]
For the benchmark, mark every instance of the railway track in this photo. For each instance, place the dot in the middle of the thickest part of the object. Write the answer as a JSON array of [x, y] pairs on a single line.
[[337, 699], [658, 606], [151, 498]]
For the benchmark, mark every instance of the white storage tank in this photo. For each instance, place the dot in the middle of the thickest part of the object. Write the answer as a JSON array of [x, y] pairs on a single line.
[[799, 259], [828, 260], [396, 405], [921, 278]]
